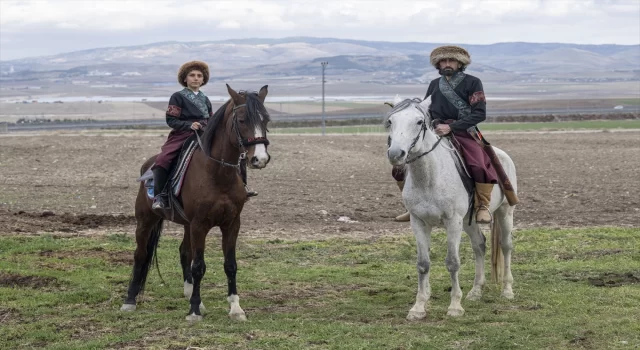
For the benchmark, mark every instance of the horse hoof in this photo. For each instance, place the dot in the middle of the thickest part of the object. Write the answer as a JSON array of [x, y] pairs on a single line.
[[455, 312], [194, 318], [507, 295], [238, 317], [128, 307], [416, 315], [474, 296]]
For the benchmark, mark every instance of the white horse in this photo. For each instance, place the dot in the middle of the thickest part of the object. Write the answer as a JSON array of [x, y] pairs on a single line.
[[434, 194]]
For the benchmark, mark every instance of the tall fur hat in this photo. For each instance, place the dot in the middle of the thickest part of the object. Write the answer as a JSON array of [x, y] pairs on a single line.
[[193, 65], [452, 52]]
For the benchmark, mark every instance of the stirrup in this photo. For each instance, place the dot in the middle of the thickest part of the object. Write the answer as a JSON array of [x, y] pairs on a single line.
[[488, 211], [158, 203]]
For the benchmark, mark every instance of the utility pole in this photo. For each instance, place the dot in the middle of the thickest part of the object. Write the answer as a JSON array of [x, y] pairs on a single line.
[[324, 65]]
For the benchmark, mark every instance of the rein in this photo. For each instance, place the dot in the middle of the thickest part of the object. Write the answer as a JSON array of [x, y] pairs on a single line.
[[222, 162], [425, 153], [242, 142], [423, 131]]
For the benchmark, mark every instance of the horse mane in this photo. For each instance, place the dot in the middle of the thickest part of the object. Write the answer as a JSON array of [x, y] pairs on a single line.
[[210, 129], [257, 115], [404, 104]]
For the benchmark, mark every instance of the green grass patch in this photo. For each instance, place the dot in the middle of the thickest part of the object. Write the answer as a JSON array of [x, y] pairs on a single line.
[[575, 288], [629, 101], [569, 125]]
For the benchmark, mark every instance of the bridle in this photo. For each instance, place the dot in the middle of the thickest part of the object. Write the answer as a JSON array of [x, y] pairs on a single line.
[[423, 130], [242, 143]]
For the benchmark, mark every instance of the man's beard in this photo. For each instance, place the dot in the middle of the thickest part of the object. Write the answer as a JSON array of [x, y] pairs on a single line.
[[447, 71]]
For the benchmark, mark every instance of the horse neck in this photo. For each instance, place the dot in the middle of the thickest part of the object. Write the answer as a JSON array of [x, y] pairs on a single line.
[[434, 168], [222, 149]]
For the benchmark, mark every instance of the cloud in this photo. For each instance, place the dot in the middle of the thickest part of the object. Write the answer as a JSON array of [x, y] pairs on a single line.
[[52, 26]]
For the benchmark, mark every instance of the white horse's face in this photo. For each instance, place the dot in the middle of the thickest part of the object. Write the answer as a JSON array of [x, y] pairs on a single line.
[[404, 126]]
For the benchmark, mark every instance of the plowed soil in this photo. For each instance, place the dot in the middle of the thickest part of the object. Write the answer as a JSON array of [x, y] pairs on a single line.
[[85, 183]]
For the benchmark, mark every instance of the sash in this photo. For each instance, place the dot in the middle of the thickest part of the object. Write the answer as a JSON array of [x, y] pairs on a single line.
[[447, 88], [199, 100]]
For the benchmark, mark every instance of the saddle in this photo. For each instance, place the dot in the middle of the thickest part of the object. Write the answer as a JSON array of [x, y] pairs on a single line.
[[176, 179], [463, 171]]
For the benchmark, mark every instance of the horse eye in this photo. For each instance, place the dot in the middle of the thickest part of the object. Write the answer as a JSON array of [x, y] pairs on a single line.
[[387, 124], [420, 122], [241, 121]]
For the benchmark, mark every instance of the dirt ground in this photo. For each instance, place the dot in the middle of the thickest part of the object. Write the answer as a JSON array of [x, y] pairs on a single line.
[[84, 183]]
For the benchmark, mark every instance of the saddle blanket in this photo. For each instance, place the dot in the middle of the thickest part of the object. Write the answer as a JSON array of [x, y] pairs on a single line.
[[176, 177]]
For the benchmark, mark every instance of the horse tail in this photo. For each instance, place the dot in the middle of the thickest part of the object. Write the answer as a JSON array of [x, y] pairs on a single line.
[[152, 256], [497, 258]]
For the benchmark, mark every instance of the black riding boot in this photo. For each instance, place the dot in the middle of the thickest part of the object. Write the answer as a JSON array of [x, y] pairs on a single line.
[[243, 173], [160, 176]]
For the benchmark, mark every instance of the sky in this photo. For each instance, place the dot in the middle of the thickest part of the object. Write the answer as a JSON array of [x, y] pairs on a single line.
[[31, 28]]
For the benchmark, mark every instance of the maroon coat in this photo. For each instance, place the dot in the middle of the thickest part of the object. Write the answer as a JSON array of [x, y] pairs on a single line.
[[184, 109]]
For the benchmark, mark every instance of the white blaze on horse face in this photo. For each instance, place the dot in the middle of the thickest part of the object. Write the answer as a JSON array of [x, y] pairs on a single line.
[[260, 155], [403, 130]]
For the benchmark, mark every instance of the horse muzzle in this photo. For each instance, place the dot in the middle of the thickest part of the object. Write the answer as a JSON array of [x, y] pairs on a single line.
[[259, 162], [396, 156]]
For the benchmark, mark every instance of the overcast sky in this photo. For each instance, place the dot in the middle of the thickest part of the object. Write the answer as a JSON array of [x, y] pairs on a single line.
[[45, 27]]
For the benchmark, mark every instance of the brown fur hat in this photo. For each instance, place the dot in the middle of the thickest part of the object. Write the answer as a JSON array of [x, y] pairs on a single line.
[[453, 52], [193, 65]]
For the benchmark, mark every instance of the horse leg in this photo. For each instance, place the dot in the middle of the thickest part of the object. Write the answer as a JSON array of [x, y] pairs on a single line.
[[422, 232], [229, 238], [453, 227], [504, 218], [198, 233], [185, 262], [478, 243], [148, 229]]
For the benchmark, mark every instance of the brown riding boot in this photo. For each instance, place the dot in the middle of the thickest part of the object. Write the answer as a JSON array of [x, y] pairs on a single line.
[[482, 200], [402, 217]]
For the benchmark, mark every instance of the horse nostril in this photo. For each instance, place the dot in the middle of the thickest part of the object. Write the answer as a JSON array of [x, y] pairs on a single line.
[[254, 159], [402, 153]]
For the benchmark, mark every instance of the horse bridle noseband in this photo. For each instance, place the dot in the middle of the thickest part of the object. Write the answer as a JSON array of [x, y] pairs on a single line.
[[423, 131], [243, 143], [250, 141]]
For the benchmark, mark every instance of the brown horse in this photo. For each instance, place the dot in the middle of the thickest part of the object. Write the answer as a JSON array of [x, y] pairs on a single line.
[[213, 194]]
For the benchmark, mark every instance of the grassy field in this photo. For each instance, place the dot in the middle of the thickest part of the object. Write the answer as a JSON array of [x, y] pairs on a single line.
[[630, 101], [570, 125], [575, 288]]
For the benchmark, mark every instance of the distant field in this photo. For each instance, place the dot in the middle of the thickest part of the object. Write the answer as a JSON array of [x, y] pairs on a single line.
[[110, 110], [630, 101], [11, 112], [571, 125]]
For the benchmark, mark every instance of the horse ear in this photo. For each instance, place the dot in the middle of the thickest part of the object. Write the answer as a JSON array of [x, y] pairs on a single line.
[[397, 100], [426, 103], [263, 92], [234, 95]]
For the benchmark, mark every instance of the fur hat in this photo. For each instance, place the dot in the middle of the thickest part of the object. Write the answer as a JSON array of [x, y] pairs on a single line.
[[453, 52], [193, 65]]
